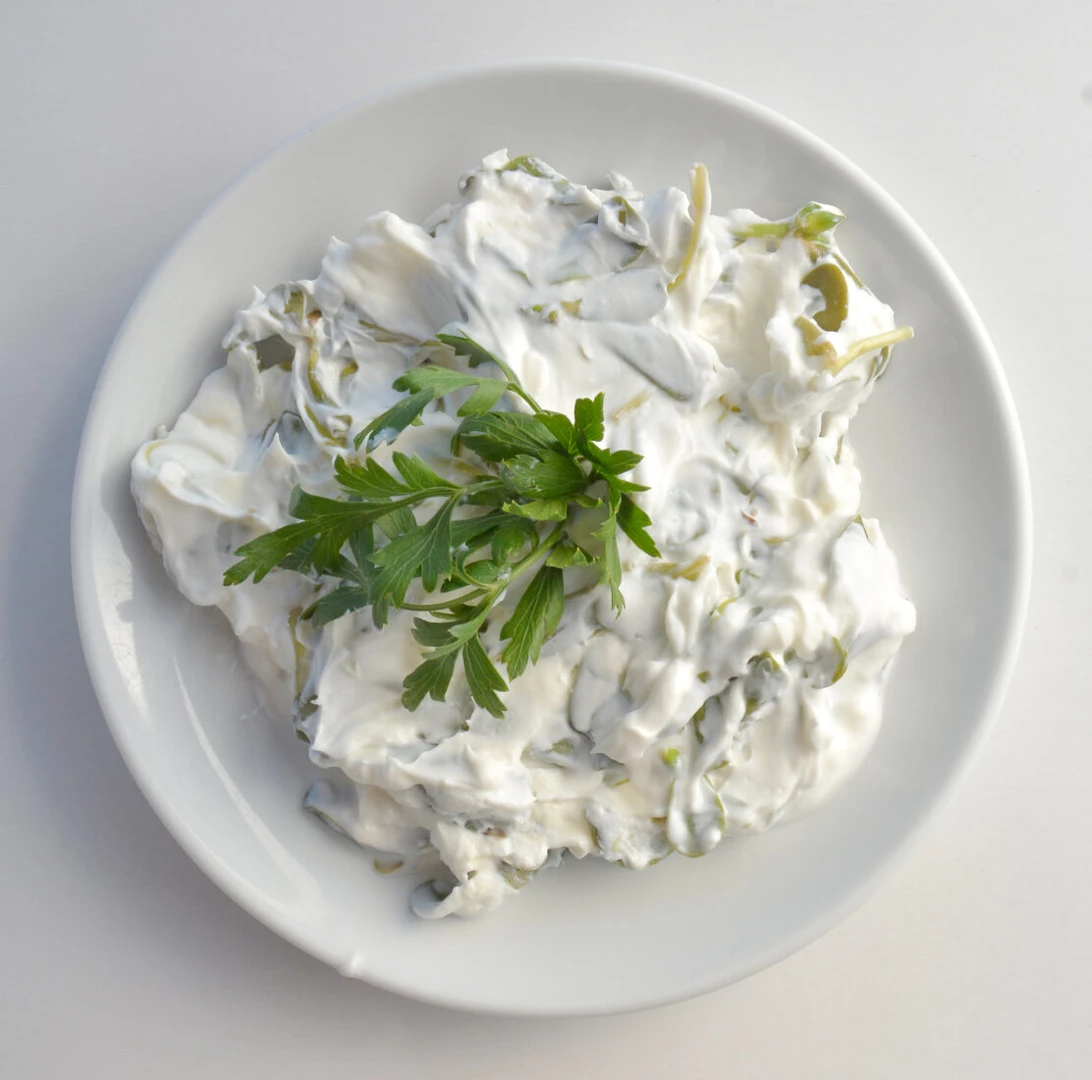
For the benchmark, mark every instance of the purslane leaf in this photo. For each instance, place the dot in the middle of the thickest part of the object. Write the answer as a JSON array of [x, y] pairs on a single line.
[[814, 219]]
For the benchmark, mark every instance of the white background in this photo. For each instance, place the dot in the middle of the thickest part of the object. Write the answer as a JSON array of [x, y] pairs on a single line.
[[120, 122]]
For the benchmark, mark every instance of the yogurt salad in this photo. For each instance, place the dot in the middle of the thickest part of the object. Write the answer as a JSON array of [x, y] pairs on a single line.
[[540, 523]]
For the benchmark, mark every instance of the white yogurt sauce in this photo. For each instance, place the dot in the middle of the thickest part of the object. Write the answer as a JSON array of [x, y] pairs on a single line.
[[744, 679]]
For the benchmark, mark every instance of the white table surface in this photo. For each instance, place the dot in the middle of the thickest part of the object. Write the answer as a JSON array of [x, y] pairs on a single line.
[[121, 121]]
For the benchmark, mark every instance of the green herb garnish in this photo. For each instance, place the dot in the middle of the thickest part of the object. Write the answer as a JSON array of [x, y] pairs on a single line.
[[539, 471]]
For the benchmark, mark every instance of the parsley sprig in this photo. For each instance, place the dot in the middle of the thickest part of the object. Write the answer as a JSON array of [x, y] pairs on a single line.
[[533, 475]]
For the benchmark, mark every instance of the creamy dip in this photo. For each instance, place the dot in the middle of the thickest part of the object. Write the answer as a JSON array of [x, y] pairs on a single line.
[[742, 683]]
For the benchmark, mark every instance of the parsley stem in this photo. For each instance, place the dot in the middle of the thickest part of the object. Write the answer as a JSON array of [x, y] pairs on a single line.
[[443, 605], [381, 509], [518, 390], [541, 548]]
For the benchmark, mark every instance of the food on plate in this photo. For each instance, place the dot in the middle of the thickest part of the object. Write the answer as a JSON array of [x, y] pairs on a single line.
[[540, 522]]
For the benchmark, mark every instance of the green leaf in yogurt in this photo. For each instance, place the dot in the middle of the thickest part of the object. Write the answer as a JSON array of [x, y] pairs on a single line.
[[831, 283]]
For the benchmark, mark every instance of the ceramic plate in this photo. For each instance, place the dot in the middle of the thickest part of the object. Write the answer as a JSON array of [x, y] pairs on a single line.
[[943, 469]]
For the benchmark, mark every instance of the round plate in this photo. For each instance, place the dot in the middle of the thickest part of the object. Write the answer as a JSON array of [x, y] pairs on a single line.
[[943, 466]]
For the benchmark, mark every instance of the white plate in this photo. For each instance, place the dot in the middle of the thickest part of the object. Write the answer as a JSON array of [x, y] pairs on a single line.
[[944, 470]]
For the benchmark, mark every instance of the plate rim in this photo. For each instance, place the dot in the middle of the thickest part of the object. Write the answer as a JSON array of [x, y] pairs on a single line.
[[88, 610]]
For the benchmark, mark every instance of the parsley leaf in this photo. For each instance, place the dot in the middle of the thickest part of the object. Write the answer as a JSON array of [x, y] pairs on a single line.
[[482, 677], [634, 522], [502, 436], [540, 509], [561, 428], [612, 563], [588, 416], [387, 426], [534, 620], [405, 537], [553, 476], [430, 679], [345, 598], [441, 381], [423, 551], [568, 554], [465, 345]]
